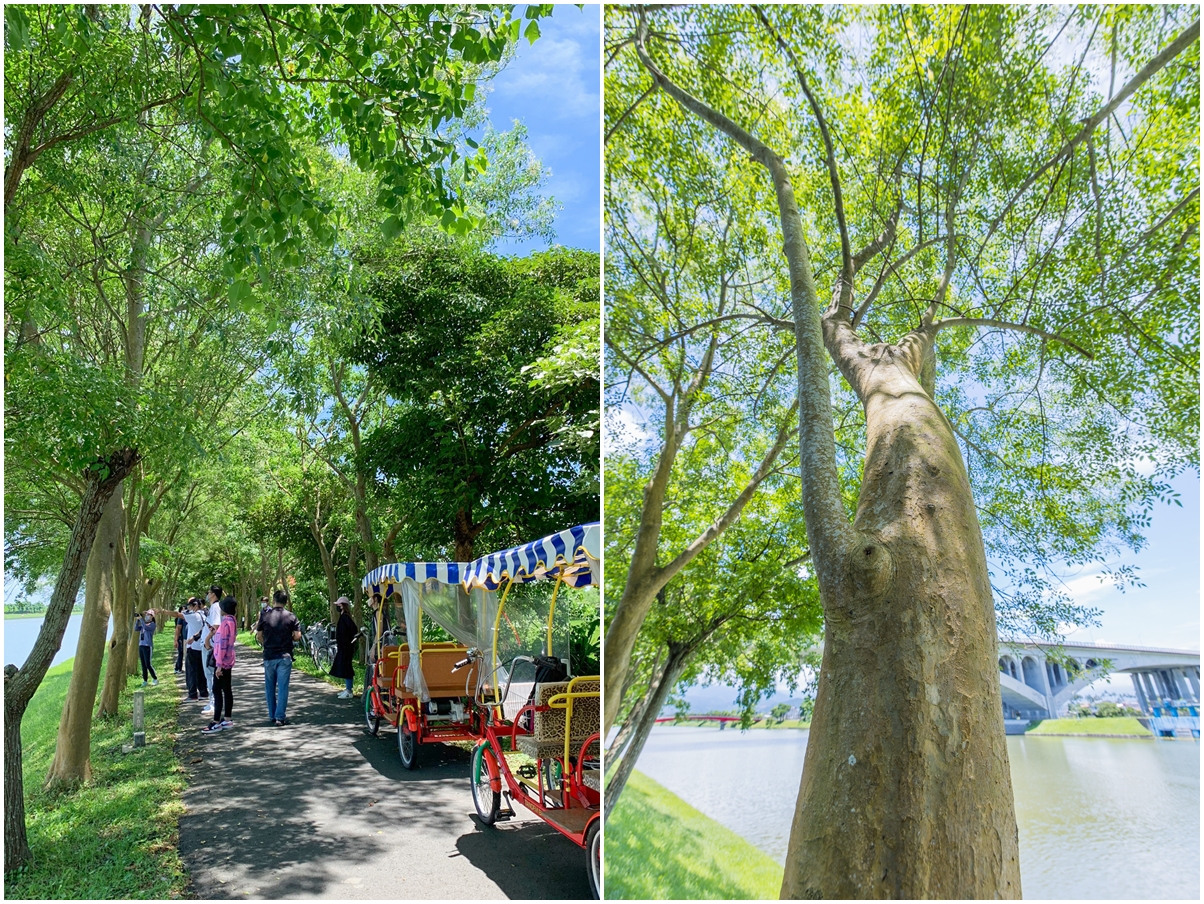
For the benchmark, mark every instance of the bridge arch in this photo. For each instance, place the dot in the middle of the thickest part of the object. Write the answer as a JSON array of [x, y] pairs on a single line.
[[1032, 673]]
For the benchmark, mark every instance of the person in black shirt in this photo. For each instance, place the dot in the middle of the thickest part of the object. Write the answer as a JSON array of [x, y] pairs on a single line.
[[276, 631]]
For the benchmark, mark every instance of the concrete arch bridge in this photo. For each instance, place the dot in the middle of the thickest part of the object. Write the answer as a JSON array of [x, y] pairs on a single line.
[[1038, 684]]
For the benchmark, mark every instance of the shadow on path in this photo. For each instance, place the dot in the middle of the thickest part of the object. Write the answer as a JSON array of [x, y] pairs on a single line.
[[319, 809]]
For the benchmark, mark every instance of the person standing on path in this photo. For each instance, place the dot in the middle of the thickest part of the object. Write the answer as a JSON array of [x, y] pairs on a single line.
[[145, 625], [181, 625], [213, 619], [223, 654], [345, 635], [194, 669], [276, 632]]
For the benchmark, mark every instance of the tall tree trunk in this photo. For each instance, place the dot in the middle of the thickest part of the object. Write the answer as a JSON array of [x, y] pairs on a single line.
[[123, 617], [332, 578], [100, 480], [72, 762], [906, 762]]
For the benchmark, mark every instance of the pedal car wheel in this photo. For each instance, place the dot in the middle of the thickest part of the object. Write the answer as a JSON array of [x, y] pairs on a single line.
[[593, 854], [371, 716], [407, 745], [485, 775]]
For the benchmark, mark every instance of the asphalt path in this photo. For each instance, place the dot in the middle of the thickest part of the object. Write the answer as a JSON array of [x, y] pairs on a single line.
[[319, 809]]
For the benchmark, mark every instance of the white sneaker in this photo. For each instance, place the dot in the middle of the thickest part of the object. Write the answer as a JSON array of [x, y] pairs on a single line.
[[207, 711], [343, 695]]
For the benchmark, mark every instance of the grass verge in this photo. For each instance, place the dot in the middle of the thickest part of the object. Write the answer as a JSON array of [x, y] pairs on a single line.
[[659, 847], [116, 837], [1112, 725]]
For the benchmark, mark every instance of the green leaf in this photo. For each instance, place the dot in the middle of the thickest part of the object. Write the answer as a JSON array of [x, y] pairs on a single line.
[[532, 32], [240, 291], [392, 227], [16, 28]]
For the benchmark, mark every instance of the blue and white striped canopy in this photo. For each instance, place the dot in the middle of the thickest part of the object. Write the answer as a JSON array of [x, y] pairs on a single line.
[[443, 572], [571, 555]]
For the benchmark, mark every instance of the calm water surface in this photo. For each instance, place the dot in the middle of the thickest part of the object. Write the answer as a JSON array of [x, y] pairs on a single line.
[[1099, 818], [20, 634]]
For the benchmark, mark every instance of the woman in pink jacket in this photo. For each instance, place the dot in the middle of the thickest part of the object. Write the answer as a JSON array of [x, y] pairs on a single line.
[[223, 654]]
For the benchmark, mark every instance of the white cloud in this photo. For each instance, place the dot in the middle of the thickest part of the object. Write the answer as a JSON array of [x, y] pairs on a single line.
[[625, 427], [563, 66]]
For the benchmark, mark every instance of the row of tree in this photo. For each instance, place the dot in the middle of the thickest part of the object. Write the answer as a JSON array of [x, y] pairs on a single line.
[[254, 333], [941, 263]]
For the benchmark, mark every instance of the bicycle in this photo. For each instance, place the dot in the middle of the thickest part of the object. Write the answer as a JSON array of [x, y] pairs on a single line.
[[322, 646]]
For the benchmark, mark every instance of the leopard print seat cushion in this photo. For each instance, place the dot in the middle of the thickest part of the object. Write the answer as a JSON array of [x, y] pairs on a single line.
[[547, 738]]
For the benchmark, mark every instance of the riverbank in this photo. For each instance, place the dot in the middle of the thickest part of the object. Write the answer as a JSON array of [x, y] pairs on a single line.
[[760, 723], [116, 837], [42, 614], [1094, 727], [659, 847]]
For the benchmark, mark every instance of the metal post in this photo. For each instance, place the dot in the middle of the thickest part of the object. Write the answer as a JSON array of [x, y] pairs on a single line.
[[139, 719]]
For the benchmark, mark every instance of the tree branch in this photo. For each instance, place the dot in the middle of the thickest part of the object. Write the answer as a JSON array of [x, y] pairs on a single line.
[[1017, 327], [1188, 37]]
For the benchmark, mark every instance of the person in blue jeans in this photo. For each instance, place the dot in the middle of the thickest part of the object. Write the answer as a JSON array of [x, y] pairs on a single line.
[[276, 632]]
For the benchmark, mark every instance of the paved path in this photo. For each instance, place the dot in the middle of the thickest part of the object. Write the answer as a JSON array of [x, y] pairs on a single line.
[[318, 809]]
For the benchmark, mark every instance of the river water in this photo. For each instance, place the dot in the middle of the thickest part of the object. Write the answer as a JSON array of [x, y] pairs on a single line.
[[1099, 818], [20, 634]]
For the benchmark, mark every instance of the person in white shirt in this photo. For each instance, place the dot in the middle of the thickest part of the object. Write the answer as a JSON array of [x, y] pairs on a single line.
[[194, 670], [213, 620]]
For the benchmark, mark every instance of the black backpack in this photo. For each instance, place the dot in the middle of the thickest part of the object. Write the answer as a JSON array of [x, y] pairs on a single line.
[[548, 669]]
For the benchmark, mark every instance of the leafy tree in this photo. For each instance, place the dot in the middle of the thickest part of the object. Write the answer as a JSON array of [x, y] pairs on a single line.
[[271, 84], [1009, 255], [686, 351], [741, 612], [490, 433], [163, 174]]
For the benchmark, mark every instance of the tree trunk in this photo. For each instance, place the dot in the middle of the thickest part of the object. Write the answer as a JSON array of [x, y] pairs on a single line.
[[906, 790], [332, 578], [123, 618], [72, 762], [643, 718], [101, 479]]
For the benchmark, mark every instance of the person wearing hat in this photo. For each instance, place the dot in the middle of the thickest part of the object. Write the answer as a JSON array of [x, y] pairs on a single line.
[[146, 625], [345, 635]]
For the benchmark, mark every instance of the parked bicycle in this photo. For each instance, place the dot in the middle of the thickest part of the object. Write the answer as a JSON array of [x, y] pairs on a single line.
[[322, 647]]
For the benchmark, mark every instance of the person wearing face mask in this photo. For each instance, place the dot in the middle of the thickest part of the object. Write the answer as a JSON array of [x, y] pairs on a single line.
[[346, 634]]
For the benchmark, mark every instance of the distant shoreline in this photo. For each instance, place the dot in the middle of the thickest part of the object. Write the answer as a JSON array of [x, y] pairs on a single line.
[[8, 615]]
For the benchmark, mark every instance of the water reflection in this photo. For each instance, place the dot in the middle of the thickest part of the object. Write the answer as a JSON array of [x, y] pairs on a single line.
[[1099, 818]]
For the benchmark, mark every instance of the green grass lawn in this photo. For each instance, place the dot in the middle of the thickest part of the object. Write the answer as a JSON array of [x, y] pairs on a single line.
[[659, 847], [117, 837], [1113, 725]]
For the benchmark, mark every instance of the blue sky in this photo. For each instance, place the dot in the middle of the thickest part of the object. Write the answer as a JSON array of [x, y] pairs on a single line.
[[554, 88]]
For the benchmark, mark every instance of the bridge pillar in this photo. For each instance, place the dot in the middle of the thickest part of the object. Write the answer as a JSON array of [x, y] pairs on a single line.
[[1141, 698], [1193, 678], [1151, 687]]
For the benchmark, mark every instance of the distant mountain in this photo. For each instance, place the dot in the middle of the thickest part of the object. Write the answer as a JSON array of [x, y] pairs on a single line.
[[719, 697]]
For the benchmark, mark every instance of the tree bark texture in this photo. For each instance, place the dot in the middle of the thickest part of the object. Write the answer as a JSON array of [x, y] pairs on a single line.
[[101, 480], [72, 762], [906, 789]]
